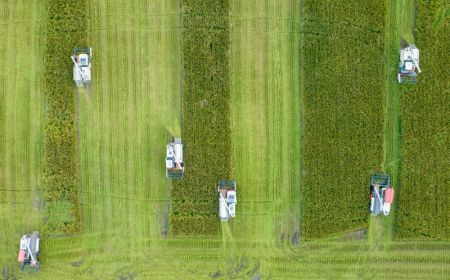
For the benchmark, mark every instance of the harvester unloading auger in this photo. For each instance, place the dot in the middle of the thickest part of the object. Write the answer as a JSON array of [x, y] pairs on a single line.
[[29, 251], [381, 194], [82, 60], [409, 63]]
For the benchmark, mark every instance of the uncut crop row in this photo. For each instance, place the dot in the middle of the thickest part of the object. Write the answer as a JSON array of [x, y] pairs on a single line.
[[64, 29], [343, 93], [206, 117], [424, 210]]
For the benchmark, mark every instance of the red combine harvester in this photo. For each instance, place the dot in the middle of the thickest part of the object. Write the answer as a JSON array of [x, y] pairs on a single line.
[[381, 194], [29, 251]]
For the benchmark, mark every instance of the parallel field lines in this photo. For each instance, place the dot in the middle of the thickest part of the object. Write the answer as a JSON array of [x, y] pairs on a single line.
[[21, 124], [265, 117]]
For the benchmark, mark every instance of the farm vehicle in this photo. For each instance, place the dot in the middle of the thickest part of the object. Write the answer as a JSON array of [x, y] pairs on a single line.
[[381, 194], [82, 60], [174, 160], [227, 199], [409, 64], [29, 251]]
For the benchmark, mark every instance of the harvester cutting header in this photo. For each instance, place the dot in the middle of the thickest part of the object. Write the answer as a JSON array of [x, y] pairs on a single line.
[[82, 59], [409, 63]]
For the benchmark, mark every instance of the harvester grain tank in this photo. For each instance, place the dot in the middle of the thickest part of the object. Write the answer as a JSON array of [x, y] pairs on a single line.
[[381, 194], [82, 60], [174, 160], [409, 64], [29, 251], [227, 199]]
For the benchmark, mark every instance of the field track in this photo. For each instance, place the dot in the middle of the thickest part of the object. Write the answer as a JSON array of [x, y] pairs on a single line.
[[123, 127], [399, 26]]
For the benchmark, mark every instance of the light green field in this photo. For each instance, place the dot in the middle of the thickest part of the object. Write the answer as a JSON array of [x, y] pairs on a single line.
[[124, 123], [21, 123], [265, 117]]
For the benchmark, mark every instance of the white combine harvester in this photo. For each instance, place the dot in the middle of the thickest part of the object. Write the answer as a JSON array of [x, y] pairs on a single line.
[[381, 194], [29, 251], [82, 60], [174, 160], [227, 199], [409, 63]]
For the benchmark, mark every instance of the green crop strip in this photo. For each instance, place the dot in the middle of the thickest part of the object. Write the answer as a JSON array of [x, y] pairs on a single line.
[[424, 210], [343, 98], [206, 117], [65, 29]]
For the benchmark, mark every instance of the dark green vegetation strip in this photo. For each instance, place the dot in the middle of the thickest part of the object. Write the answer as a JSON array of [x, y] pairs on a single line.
[[206, 117], [65, 29], [424, 210], [343, 86]]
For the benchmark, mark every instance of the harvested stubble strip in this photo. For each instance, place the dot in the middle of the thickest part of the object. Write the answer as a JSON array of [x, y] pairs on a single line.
[[206, 117], [65, 29]]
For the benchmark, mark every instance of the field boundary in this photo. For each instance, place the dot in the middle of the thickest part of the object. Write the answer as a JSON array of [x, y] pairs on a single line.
[[300, 120]]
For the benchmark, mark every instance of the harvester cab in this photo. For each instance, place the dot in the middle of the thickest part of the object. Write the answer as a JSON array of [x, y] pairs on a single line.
[[227, 199], [174, 160], [29, 251], [82, 60], [409, 63], [381, 194]]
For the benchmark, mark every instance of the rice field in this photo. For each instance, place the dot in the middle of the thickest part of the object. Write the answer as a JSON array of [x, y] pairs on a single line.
[[123, 126], [21, 123]]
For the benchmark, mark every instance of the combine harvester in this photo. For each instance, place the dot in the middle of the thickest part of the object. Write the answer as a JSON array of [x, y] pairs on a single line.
[[381, 194], [227, 199], [409, 63], [82, 60], [29, 251], [174, 160]]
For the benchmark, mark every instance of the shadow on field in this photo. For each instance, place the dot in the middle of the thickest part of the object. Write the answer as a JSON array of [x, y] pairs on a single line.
[[163, 214], [125, 276], [8, 275], [242, 267]]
